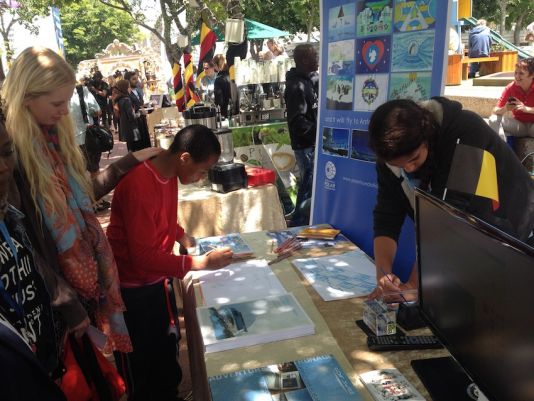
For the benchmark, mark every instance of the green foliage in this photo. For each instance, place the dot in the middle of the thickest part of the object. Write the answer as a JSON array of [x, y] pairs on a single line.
[[89, 26], [277, 13], [487, 9], [521, 12]]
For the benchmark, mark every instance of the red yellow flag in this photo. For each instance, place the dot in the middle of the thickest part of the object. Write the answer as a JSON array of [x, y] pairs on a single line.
[[178, 86], [190, 93], [207, 48]]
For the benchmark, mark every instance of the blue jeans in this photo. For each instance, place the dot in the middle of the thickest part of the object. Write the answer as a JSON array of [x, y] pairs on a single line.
[[305, 159]]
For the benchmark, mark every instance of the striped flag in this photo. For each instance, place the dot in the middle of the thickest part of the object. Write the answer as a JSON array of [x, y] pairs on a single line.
[[207, 48], [178, 86], [473, 171], [190, 93]]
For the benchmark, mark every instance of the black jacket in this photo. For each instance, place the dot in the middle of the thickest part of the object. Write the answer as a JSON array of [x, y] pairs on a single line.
[[23, 378], [515, 214], [127, 120], [225, 93], [301, 104]]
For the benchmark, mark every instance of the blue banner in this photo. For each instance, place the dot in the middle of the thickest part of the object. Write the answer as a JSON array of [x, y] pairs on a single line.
[[372, 51], [59, 32]]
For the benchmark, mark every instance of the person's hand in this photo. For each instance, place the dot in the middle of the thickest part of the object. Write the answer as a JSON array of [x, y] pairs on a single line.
[[388, 283], [187, 241], [143, 112], [392, 289], [146, 153], [520, 106], [513, 104], [81, 328], [218, 258]]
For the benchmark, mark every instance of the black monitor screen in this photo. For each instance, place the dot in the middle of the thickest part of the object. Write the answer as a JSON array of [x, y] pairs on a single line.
[[477, 294]]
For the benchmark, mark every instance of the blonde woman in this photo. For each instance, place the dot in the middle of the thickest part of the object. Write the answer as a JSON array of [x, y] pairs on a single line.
[[56, 194]]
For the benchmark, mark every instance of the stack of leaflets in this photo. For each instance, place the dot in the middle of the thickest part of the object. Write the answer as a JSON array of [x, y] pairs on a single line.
[[284, 235], [390, 385], [314, 379], [252, 322], [239, 282], [235, 242], [318, 233]]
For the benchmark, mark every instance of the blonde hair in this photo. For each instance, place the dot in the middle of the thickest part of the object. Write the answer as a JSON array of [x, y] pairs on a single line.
[[36, 72]]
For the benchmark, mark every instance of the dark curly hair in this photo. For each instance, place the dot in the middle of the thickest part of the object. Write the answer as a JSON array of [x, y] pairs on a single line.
[[527, 64], [398, 127]]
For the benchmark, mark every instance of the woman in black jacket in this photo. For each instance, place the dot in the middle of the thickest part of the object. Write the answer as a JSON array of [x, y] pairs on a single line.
[[128, 128]]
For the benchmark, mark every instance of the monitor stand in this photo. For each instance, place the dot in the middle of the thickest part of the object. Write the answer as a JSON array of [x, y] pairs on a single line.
[[444, 378]]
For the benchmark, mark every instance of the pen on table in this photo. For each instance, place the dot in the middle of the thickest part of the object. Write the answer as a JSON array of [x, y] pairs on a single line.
[[286, 244], [286, 253], [391, 281]]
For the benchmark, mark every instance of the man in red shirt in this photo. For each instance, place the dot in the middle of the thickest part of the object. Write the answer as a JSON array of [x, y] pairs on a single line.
[[142, 233], [517, 97]]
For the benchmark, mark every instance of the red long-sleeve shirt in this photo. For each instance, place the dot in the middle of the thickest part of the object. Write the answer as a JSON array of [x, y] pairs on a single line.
[[143, 228]]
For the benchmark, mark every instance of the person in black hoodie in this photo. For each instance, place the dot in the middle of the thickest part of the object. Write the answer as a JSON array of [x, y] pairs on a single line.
[[415, 144], [301, 103]]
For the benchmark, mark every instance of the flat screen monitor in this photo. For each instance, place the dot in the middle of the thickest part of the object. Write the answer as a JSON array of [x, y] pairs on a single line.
[[477, 294]]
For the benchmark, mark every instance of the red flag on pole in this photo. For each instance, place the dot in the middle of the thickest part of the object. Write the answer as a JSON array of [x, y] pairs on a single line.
[[178, 86], [207, 48], [190, 92]]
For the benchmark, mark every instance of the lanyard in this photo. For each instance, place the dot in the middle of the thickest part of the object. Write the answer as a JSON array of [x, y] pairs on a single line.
[[13, 304]]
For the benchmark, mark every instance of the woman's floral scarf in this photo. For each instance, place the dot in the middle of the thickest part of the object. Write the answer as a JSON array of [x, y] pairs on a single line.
[[85, 256]]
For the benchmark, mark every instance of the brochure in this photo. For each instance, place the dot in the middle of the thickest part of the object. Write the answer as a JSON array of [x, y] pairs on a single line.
[[252, 322], [348, 275], [314, 379], [233, 241], [390, 385], [239, 282]]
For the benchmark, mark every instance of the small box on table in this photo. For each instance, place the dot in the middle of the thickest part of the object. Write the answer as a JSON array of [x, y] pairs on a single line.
[[379, 317]]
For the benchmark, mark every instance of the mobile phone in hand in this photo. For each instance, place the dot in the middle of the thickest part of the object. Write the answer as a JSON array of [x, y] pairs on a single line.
[[511, 99]]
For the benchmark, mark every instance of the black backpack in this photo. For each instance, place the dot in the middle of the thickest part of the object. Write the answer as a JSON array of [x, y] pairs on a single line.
[[97, 138]]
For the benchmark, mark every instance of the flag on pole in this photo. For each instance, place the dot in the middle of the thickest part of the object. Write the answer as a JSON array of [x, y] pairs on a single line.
[[207, 48], [473, 171], [178, 86], [190, 93], [59, 31]]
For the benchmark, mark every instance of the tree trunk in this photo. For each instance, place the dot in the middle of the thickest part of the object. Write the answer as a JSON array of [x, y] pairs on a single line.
[[517, 30], [502, 7]]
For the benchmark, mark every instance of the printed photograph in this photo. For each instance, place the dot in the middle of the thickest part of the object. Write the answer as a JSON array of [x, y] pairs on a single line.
[[370, 91], [341, 58], [341, 22], [359, 148], [374, 17], [373, 55], [413, 51], [414, 15], [336, 141], [413, 85], [339, 93]]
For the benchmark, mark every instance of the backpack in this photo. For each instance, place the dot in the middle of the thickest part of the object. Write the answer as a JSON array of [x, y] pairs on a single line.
[[97, 138]]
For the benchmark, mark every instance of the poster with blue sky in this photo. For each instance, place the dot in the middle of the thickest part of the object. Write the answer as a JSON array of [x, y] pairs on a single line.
[[372, 51]]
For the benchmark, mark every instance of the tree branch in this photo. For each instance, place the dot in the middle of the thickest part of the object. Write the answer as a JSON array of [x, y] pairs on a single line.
[[134, 18]]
